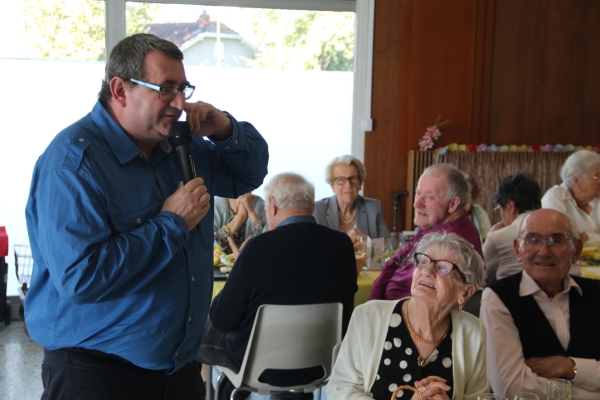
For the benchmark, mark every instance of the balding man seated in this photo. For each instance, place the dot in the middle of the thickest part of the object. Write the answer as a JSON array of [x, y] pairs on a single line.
[[440, 199], [542, 323]]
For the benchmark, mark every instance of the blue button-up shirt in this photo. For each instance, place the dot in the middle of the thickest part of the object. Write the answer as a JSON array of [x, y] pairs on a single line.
[[111, 271]]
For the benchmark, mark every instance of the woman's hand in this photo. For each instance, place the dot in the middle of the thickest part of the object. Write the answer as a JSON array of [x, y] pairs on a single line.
[[234, 249], [247, 202], [432, 387]]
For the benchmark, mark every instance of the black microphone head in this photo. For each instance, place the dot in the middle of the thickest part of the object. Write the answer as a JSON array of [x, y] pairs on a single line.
[[181, 133]]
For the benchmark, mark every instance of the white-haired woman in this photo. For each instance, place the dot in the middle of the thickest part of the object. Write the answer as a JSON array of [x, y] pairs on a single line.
[[426, 340], [577, 196], [346, 210]]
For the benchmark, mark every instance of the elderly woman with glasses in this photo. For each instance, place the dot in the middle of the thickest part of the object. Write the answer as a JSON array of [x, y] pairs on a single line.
[[346, 210], [577, 196], [425, 341]]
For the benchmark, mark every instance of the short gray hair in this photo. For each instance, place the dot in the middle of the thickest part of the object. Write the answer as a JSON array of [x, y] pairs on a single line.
[[126, 59], [469, 261], [573, 231], [290, 190], [577, 165], [455, 178], [345, 160]]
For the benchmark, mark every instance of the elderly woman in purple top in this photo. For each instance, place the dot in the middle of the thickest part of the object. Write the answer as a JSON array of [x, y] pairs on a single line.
[[440, 199]]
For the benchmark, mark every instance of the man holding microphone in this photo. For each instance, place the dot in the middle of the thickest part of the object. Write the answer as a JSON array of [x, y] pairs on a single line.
[[122, 281]]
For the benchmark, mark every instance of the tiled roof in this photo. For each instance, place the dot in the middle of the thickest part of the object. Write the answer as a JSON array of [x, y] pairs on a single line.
[[179, 33]]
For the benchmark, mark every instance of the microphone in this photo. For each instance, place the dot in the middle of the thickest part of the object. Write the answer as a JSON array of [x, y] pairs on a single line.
[[181, 135]]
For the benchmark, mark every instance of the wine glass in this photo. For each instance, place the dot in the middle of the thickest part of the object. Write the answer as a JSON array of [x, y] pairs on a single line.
[[490, 396], [526, 396], [558, 389]]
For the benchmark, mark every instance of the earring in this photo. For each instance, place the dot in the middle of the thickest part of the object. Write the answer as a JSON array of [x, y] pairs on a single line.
[[460, 307]]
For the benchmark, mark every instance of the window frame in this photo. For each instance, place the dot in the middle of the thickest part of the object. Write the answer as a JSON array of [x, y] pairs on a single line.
[[363, 45]]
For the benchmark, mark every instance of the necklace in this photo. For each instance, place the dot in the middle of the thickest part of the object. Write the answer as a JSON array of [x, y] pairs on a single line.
[[410, 329], [351, 219]]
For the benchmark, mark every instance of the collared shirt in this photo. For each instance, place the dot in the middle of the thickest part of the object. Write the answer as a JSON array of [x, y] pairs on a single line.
[[112, 272], [499, 252], [506, 366], [297, 219], [559, 198], [396, 278]]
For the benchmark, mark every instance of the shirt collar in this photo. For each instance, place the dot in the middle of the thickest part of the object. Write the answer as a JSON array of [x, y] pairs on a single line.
[[528, 286], [297, 219], [121, 145]]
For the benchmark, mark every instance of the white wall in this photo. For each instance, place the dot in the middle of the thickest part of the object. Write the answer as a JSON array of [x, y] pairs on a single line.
[[305, 117]]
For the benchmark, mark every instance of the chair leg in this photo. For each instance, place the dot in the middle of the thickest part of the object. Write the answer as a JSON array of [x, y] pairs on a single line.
[[319, 395], [219, 380], [209, 382], [233, 392]]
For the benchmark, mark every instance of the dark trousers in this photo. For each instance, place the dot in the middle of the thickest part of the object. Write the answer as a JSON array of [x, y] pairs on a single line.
[[77, 374]]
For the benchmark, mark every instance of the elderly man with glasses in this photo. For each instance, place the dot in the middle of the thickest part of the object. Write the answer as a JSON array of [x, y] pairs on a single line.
[[123, 248], [543, 323]]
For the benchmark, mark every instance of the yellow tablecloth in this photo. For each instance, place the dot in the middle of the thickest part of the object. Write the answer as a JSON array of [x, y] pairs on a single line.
[[365, 281], [592, 272]]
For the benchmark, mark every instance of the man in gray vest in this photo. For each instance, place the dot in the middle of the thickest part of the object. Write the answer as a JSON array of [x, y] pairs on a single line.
[[543, 323]]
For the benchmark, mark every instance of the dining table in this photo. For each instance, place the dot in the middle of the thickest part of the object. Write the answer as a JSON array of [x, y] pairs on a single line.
[[365, 282]]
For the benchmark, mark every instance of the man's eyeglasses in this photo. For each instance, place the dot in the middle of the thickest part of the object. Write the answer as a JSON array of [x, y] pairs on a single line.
[[554, 241], [166, 93], [442, 267], [341, 180]]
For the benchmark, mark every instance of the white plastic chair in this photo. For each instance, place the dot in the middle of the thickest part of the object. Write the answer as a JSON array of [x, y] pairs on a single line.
[[288, 337]]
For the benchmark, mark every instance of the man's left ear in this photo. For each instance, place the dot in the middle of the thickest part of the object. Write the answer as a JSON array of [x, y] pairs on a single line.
[[578, 248], [454, 203]]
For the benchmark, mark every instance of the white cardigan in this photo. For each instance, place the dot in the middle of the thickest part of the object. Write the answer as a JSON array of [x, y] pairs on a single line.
[[356, 366]]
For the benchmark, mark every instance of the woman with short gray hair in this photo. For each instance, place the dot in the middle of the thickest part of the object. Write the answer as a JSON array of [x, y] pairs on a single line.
[[577, 196], [346, 210], [426, 340]]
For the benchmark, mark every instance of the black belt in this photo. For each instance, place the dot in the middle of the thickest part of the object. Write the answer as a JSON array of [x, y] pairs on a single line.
[[91, 353]]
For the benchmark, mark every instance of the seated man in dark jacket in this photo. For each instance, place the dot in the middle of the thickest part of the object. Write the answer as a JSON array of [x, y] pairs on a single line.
[[543, 323], [296, 262]]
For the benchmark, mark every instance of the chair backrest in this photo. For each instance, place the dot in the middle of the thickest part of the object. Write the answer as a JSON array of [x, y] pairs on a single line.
[[292, 337]]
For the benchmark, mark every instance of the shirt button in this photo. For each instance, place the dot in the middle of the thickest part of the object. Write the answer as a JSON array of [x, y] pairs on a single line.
[[189, 319], [81, 139], [141, 155], [139, 220], [227, 147], [236, 142], [193, 278], [176, 354]]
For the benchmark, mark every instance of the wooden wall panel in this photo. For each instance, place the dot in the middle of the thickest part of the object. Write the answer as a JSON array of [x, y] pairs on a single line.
[[384, 173], [545, 72]]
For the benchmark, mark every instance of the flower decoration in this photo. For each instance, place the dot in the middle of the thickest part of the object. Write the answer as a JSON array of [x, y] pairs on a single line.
[[431, 134], [483, 147]]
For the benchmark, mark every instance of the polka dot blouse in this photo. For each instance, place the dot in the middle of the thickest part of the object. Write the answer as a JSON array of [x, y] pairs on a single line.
[[398, 365]]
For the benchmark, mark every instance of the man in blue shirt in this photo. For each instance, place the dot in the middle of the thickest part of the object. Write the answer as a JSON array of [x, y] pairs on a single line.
[[123, 252]]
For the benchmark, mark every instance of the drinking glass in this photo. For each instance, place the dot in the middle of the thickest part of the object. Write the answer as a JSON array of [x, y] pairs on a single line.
[[490, 396], [558, 389], [526, 396]]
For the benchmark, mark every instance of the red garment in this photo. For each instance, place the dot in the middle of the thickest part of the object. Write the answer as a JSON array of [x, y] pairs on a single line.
[[396, 278]]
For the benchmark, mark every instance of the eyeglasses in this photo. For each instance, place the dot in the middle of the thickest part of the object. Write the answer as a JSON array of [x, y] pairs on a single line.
[[554, 241], [166, 93], [341, 180], [595, 177], [442, 267]]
